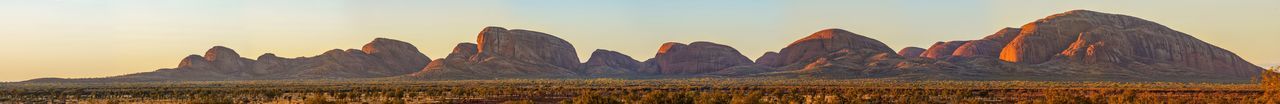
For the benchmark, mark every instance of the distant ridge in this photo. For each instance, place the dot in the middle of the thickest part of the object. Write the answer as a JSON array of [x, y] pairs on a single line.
[[380, 58]]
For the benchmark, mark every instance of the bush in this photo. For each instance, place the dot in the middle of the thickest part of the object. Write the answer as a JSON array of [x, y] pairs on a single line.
[[318, 100], [591, 98], [712, 98], [753, 98], [661, 97], [1270, 81], [212, 100]]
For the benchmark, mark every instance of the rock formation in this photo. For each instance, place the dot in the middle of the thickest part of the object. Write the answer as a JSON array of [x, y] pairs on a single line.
[[223, 59], [400, 56], [463, 51], [988, 47], [605, 63], [911, 52], [502, 53], [695, 58], [941, 50], [1118, 42], [526, 45], [824, 42], [455, 63], [769, 58], [835, 53]]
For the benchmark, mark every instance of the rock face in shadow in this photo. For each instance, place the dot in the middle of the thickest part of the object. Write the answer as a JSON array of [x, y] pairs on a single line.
[[385, 58], [502, 53], [224, 59], [825, 42], [460, 57], [1124, 45], [526, 45], [911, 52], [381, 57], [987, 47], [695, 58], [402, 57], [606, 63], [942, 50], [769, 58]]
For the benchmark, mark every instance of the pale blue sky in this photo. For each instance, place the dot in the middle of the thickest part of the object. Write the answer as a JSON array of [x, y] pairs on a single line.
[[98, 38]]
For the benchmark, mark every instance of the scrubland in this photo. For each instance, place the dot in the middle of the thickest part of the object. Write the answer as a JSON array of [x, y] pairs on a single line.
[[652, 91]]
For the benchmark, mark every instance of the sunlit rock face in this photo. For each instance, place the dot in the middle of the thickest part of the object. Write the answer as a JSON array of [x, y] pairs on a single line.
[[1095, 38], [988, 47], [502, 53], [459, 57], [463, 51], [836, 53], [825, 42], [911, 52], [695, 58], [1076, 45]]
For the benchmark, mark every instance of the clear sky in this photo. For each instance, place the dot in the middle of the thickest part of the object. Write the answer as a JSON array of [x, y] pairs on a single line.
[[99, 38]]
